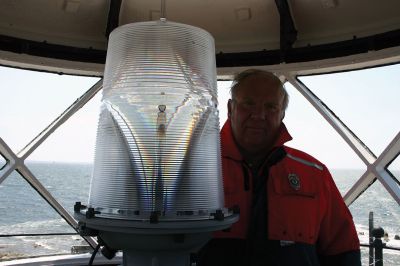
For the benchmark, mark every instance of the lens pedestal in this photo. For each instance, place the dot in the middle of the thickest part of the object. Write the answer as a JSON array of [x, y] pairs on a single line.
[[166, 243]]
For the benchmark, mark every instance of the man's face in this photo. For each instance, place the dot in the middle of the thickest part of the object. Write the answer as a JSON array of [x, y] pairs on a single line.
[[256, 113]]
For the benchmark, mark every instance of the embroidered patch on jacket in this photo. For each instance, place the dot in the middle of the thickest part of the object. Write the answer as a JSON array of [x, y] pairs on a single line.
[[294, 181]]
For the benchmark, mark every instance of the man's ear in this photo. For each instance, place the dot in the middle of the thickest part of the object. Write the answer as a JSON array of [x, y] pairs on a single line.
[[283, 115], [229, 107]]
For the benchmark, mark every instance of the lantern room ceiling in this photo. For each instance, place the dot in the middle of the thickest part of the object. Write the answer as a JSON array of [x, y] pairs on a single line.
[[73, 34]]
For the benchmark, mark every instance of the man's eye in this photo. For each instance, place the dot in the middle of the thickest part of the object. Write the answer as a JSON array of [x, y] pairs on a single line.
[[248, 103], [272, 108]]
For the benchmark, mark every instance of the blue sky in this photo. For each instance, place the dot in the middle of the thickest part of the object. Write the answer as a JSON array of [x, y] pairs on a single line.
[[367, 101]]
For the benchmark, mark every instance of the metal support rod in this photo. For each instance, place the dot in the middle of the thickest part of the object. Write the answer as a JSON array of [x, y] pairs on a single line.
[[378, 261], [371, 238], [163, 11], [378, 245]]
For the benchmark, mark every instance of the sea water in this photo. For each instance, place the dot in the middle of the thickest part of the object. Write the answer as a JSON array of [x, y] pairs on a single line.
[[22, 210]]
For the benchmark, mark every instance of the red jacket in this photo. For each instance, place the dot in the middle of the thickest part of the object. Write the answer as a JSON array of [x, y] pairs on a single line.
[[304, 204]]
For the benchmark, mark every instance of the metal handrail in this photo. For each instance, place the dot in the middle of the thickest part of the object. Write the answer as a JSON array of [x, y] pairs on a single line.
[[40, 234], [384, 247]]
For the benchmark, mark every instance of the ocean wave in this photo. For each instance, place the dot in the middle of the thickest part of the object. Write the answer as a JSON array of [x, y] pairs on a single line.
[[34, 227]]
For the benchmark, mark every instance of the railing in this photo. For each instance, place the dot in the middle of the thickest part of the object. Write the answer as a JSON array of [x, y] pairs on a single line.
[[376, 246]]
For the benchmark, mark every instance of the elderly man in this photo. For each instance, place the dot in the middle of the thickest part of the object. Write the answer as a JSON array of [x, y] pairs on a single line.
[[291, 212]]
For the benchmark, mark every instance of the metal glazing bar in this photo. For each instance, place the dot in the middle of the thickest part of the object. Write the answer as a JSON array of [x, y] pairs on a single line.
[[11, 160], [366, 180], [288, 32], [390, 153], [6, 171], [113, 16], [390, 182], [379, 170]]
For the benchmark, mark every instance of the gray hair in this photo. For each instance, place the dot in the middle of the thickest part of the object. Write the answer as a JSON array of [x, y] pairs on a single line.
[[239, 77]]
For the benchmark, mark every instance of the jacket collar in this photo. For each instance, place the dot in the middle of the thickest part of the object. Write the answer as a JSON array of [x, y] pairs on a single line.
[[230, 148]]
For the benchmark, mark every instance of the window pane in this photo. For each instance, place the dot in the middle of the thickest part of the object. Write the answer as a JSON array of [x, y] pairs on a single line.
[[223, 97], [386, 213], [63, 163], [73, 141], [33, 100], [67, 182], [24, 211], [312, 133], [2, 161], [394, 168], [365, 100]]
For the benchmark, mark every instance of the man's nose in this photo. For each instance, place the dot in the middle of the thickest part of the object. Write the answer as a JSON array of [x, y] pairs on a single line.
[[259, 112]]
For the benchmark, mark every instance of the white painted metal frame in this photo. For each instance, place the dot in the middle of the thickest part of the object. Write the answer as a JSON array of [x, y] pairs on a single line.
[[17, 161], [376, 167]]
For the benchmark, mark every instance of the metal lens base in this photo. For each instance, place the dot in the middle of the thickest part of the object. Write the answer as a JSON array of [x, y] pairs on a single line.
[[155, 244]]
